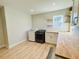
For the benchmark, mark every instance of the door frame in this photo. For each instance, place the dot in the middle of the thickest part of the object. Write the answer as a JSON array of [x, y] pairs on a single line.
[[4, 27]]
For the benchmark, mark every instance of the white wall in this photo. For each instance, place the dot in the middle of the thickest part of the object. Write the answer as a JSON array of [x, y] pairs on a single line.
[[76, 9], [40, 20], [18, 23], [78, 14]]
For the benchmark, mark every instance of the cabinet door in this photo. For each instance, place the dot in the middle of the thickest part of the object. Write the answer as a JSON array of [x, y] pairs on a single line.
[[51, 37], [32, 36]]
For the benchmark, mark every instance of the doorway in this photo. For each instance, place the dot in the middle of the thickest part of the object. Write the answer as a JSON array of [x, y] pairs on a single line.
[[3, 30]]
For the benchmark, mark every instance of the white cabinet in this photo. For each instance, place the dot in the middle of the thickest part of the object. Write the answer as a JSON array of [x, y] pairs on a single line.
[[31, 35], [51, 37]]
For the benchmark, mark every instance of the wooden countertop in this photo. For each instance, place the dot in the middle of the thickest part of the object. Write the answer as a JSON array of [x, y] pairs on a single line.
[[67, 45]]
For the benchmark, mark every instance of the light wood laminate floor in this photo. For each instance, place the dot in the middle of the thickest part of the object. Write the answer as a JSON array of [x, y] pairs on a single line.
[[67, 46], [26, 50]]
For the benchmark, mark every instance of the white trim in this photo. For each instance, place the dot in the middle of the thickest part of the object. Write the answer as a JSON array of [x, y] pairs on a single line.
[[13, 45]]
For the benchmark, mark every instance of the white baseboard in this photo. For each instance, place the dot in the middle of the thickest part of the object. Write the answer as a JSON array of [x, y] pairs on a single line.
[[13, 45]]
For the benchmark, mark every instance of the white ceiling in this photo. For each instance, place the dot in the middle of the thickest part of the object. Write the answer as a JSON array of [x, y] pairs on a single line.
[[38, 6]]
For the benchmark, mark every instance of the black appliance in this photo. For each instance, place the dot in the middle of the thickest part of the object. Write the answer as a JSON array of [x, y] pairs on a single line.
[[40, 36]]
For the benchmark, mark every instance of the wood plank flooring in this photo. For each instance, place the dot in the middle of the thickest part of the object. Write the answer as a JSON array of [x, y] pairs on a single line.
[[26, 50], [67, 46]]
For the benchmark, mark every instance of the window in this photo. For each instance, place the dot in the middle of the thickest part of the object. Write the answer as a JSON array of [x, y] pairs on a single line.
[[58, 22]]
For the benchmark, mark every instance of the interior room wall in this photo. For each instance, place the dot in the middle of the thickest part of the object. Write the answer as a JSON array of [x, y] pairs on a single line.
[[18, 23], [40, 20], [76, 9], [78, 13]]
